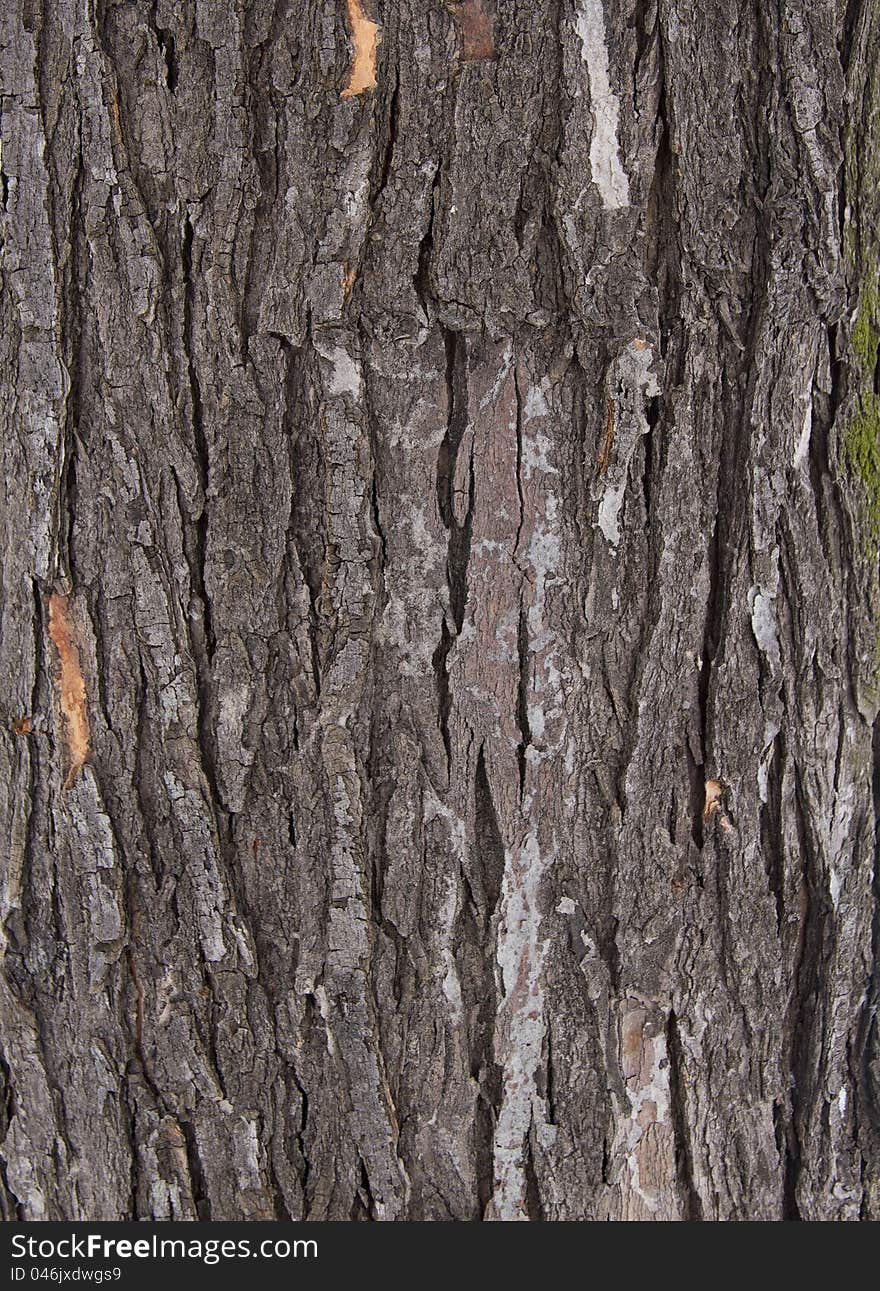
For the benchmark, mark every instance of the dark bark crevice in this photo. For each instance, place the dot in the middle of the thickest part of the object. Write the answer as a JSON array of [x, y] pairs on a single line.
[[459, 529], [773, 830], [196, 1172], [522, 701], [308, 476], [691, 1203], [198, 537]]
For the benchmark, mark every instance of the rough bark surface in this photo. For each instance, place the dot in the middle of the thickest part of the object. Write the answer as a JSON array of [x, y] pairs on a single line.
[[439, 652]]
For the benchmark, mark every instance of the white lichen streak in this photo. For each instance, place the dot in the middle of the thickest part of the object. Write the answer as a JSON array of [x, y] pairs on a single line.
[[761, 600], [608, 174], [802, 448], [521, 947], [521, 1025], [543, 556]]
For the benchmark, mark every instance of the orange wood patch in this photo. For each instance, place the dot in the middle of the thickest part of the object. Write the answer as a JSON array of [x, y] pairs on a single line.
[[365, 35], [71, 686]]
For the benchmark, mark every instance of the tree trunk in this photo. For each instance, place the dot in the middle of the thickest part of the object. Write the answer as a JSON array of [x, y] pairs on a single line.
[[439, 652]]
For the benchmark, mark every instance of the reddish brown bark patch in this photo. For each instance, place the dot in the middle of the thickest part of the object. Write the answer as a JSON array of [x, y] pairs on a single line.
[[476, 24]]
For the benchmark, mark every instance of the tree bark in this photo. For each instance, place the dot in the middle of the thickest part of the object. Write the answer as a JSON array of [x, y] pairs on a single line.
[[439, 655]]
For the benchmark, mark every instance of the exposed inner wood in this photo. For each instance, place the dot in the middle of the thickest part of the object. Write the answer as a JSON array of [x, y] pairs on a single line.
[[365, 35], [71, 686]]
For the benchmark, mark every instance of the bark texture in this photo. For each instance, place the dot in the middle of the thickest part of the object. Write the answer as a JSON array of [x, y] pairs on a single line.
[[439, 656]]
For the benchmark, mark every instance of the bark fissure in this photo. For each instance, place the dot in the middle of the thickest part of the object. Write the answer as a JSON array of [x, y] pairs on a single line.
[[693, 1208], [453, 447]]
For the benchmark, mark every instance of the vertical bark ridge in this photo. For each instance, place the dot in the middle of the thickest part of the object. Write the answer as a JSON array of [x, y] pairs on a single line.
[[449, 428]]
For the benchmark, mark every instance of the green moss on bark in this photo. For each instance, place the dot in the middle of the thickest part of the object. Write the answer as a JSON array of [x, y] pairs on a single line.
[[861, 422], [862, 435], [866, 333]]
